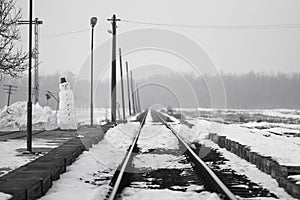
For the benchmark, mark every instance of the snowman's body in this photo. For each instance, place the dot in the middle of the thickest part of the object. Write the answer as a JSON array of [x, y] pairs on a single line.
[[66, 115]]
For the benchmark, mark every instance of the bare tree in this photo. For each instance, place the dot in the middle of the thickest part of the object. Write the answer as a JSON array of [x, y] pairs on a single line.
[[12, 58]]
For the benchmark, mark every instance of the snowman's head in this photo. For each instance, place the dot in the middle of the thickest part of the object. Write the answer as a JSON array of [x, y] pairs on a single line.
[[64, 85]]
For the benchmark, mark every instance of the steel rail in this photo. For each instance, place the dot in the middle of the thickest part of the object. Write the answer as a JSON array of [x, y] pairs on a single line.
[[125, 163], [214, 179]]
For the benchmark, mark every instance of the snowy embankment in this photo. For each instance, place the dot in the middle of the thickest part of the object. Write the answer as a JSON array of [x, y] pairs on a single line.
[[14, 117], [250, 170], [199, 134], [4, 196], [283, 150], [281, 129]]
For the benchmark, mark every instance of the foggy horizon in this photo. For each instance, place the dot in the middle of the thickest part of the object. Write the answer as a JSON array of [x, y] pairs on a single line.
[[243, 91]]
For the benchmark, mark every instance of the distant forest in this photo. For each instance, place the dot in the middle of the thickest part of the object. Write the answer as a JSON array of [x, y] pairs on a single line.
[[250, 90]]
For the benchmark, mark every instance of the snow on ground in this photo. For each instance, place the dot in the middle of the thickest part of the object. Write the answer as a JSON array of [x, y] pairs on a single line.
[[14, 159], [14, 117], [191, 135], [133, 117], [86, 177], [158, 161], [175, 120], [243, 167], [284, 113], [267, 125], [295, 178], [4, 196], [122, 135], [83, 177], [276, 128], [156, 137], [146, 194], [101, 115], [284, 151], [149, 119]]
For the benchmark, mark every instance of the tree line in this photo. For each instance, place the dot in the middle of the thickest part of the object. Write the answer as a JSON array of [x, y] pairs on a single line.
[[246, 91]]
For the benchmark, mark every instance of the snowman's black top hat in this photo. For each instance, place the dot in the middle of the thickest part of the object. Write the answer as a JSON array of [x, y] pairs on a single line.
[[63, 80]]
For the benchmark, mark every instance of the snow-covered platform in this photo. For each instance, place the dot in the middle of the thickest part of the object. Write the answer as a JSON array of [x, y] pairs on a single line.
[[33, 179]]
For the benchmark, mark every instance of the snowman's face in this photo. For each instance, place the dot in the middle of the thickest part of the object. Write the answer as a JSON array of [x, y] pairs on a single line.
[[64, 86]]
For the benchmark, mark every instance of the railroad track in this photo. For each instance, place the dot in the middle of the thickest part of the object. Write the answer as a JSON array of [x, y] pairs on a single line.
[[199, 173], [122, 175]]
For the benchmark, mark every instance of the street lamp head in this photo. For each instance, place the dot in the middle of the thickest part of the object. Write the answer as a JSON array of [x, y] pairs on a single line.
[[93, 21]]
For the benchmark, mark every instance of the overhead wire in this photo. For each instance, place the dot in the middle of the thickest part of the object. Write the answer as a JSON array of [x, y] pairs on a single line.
[[65, 33], [256, 26]]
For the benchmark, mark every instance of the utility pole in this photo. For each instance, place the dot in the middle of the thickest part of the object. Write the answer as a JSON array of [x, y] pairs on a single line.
[[118, 109], [138, 98], [9, 89], [132, 94], [29, 103], [127, 73], [36, 23], [122, 87], [135, 96], [113, 69]]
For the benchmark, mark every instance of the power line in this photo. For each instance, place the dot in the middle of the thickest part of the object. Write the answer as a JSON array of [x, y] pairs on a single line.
[[258, 26], [65, 33]]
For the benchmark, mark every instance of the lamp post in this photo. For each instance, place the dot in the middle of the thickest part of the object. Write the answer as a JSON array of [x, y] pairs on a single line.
[[93, 22]]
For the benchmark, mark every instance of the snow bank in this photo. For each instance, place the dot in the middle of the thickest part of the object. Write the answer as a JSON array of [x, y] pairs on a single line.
[[194, 134], [4, 196], [284, 151], [14, 117], [122, 135], [149, 117], [243, 167]]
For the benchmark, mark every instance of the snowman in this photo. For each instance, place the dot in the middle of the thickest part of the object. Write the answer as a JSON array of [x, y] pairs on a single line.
[[66, 115]]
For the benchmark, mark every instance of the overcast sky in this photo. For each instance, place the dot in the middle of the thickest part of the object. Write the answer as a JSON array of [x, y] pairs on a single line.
[[232, 50]]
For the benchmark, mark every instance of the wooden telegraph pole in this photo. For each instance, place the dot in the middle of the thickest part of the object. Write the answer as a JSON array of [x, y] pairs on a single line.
[[127, 73], [138, 98], [29, 102], [122, 87], [113, 69], [132, 94]]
